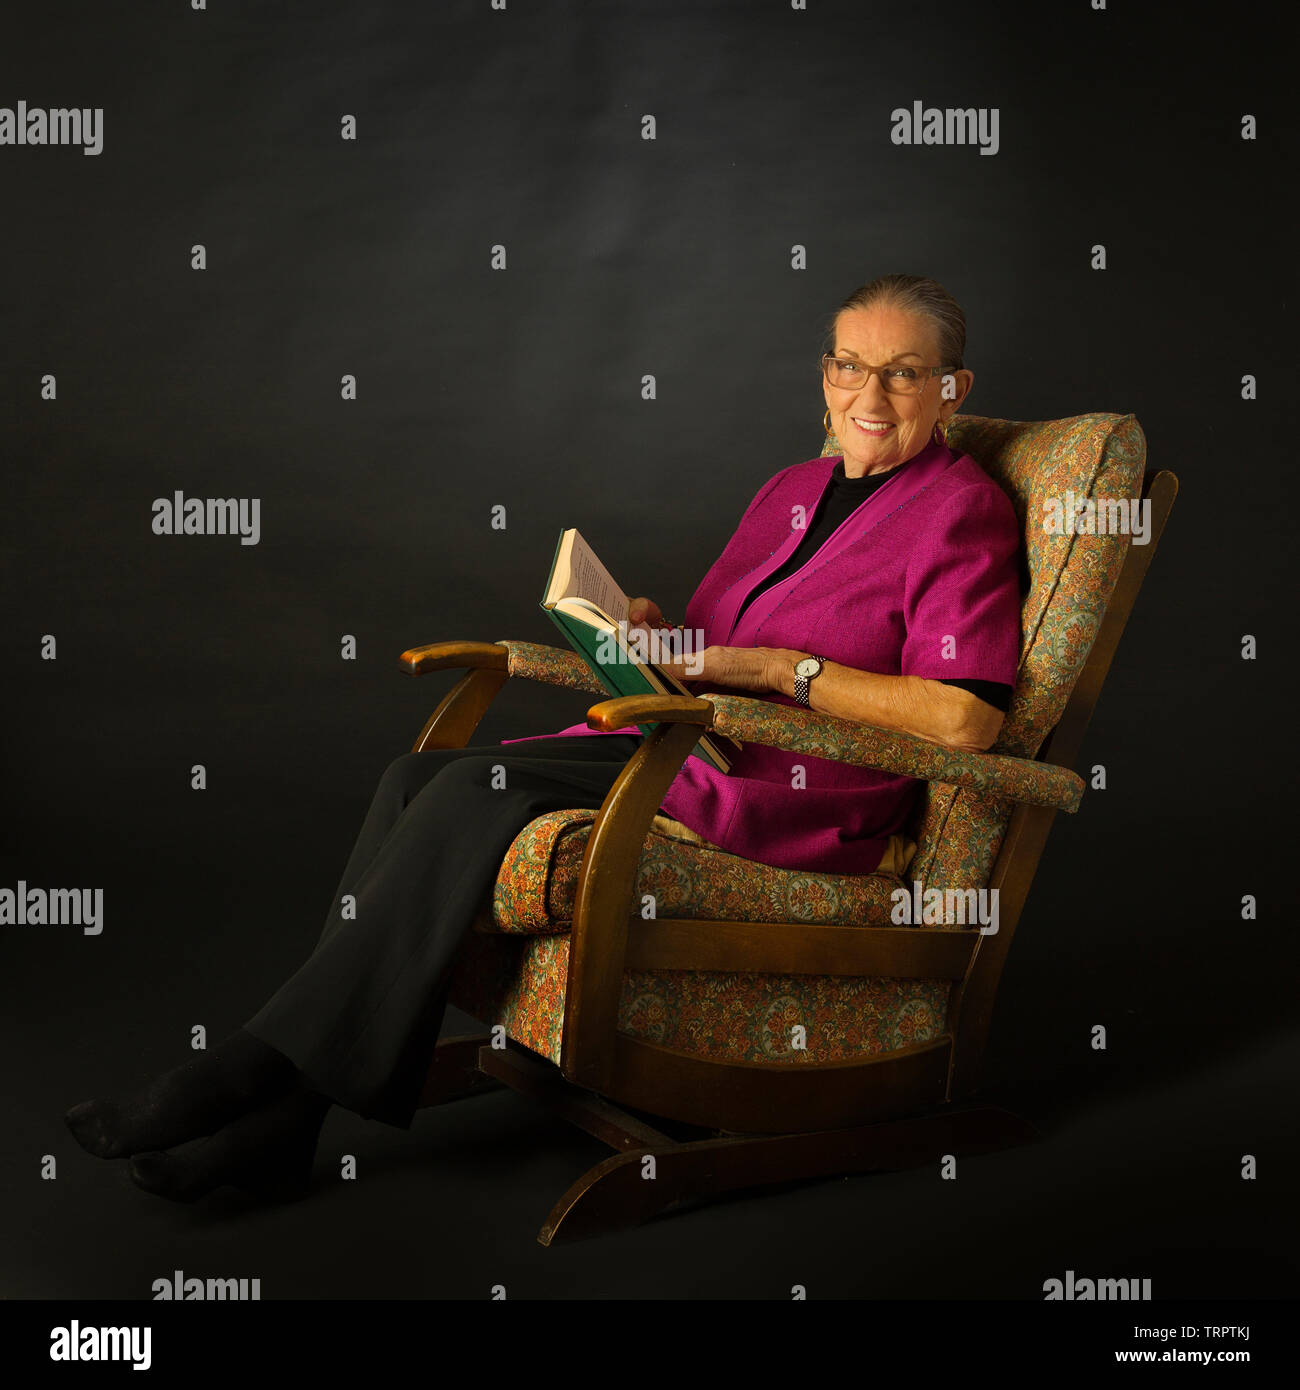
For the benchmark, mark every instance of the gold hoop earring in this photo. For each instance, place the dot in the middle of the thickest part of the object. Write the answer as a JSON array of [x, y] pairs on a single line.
[[940, 435], [826, 421]]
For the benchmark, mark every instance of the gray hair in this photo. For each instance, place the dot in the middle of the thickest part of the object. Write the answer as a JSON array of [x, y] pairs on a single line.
[[918, 295]]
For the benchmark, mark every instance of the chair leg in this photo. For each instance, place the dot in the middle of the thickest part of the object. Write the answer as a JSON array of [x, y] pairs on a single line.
[[454, 1073], [624, 1191]]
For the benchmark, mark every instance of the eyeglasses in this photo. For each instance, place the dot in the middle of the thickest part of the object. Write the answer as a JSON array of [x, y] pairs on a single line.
[[848, 374]]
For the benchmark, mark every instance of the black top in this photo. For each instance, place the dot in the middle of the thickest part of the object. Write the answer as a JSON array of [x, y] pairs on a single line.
[[840, 500]]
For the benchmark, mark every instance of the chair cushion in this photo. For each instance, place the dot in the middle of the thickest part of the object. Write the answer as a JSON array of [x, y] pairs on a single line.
[[519, 982], [513, 968], [538, 882]]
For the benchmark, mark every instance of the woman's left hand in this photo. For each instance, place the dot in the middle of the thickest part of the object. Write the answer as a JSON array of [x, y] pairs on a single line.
[[738, 668]]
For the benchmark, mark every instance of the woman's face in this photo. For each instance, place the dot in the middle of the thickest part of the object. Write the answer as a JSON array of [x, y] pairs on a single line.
[[878, 429]]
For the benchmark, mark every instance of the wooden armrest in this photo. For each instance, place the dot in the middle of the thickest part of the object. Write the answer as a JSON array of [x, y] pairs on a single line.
[[441, 656], [526, 660], [649, 709], [847, 741]]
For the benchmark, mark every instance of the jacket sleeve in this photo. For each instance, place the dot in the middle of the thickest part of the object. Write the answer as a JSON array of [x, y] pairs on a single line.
[[962, 592]]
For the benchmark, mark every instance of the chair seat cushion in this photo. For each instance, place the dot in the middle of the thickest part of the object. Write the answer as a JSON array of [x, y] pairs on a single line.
[[519, 981], [538, 881]]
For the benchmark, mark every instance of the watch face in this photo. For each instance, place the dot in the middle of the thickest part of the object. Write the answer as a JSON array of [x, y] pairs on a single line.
[[808, 667]]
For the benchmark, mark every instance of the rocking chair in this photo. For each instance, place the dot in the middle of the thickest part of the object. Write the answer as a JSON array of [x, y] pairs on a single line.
[[768, 1025]]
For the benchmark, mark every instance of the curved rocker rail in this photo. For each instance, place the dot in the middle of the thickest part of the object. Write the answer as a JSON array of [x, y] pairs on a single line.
[[615, 1194]]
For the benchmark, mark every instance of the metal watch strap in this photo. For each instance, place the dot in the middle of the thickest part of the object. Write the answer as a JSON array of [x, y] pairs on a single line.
[[801, 683]]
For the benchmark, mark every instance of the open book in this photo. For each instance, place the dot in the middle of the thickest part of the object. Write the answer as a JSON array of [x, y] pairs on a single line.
[[588, 607]]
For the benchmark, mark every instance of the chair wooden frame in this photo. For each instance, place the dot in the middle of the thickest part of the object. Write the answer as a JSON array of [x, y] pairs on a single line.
[[749, 1124]]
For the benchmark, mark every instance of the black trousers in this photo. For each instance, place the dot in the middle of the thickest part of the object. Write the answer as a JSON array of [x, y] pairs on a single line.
[[361, 1017]]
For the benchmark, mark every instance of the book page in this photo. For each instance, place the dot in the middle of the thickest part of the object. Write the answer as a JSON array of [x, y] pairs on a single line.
[[586, 612], [587, 578]]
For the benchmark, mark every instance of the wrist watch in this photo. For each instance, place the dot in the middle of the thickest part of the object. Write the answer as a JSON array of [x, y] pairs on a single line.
[[805, 671]]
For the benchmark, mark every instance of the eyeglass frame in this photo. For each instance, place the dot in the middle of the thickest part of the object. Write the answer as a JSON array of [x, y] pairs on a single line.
[[880, 371]]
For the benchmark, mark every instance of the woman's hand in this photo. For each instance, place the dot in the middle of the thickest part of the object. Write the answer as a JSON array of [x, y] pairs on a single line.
[[644, 613], [737, 668]]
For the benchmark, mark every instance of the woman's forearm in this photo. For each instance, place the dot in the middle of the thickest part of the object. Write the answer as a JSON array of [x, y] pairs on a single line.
[[909, 704]]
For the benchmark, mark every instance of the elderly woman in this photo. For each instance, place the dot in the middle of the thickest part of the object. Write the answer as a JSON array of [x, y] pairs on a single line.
[[879, 586]]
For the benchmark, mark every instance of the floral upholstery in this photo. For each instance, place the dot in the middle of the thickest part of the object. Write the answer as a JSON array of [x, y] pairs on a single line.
[[539, 880], [513, 970], [552, 665], [750, 720], [1070, 580], [519, 982], [1070, 577]]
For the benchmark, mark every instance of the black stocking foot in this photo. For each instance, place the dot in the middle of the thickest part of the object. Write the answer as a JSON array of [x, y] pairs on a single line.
[[267, 1152], [194, 1099]]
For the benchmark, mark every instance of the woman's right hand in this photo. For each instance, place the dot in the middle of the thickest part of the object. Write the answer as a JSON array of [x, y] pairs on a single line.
[[644, 613]]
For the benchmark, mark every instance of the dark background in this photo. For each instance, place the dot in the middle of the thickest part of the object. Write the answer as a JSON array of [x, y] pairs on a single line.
[[522, 387]]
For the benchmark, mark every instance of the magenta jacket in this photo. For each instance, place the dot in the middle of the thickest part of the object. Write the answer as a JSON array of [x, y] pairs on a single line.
[[921, 580]]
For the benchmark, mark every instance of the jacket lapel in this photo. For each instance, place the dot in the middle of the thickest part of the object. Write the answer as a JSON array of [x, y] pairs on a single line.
[[916, 475], [724, 617]]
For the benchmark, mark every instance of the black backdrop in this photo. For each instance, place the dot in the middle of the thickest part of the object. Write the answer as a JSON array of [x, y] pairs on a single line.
[[522, 127]]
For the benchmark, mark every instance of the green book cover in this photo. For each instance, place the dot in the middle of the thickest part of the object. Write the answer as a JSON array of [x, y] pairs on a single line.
[[625, 677]]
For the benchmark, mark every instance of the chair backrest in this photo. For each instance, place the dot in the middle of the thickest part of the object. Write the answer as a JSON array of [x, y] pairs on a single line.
[[1067, 580]]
